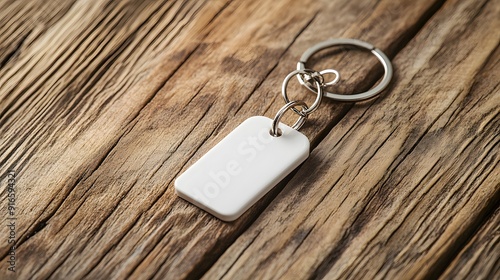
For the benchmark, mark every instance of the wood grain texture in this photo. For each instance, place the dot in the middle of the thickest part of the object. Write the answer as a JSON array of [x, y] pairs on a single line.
[[23, 19], [104, 103], [396, 203], [480, 258]]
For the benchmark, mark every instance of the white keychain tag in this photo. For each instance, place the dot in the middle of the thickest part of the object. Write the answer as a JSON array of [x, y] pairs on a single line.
[[260, 152], [242, 168]]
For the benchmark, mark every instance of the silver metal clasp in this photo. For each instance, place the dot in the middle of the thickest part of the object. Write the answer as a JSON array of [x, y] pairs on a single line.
[[386, 63]]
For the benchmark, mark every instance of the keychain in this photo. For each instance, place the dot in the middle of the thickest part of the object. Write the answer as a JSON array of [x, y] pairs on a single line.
[[260, 152]]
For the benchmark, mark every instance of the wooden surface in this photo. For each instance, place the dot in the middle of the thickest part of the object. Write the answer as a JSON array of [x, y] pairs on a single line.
[[479, 259], [104, 103]]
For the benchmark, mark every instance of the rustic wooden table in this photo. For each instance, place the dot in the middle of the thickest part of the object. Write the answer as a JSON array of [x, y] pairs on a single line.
[[103, 104]]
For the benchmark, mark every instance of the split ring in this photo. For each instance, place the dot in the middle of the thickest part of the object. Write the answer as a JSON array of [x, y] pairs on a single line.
[[386, 63], [275, 131], [318, 90]]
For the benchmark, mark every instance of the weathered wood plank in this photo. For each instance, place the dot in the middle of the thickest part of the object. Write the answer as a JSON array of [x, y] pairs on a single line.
[[108, 187], [67, 98], [112, 198], [180, 253], [400, 183], [480, 258]]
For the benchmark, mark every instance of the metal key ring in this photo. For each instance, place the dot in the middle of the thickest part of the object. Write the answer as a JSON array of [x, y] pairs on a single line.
[[318, 90], [301, 65], [275, 131]]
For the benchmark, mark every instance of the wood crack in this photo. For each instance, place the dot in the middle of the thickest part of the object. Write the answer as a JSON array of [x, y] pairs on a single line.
[[240, 254], [444, 261], [116, 243], [134, 268], [15, 52]]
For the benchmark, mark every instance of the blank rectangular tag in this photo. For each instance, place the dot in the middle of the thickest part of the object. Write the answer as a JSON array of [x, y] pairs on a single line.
[[242, 168]]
